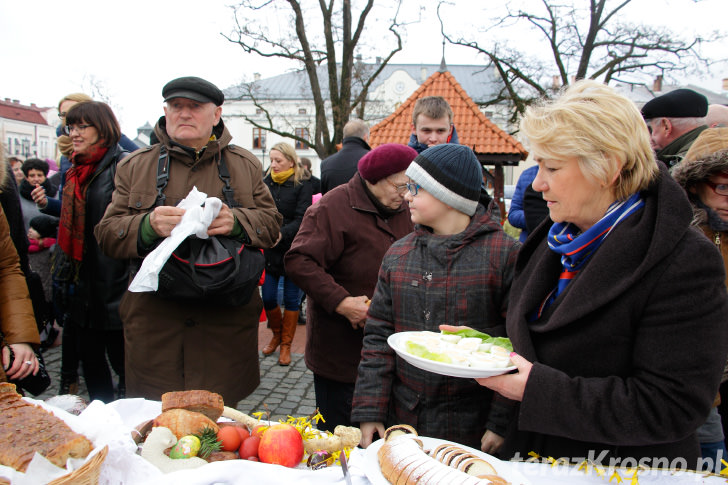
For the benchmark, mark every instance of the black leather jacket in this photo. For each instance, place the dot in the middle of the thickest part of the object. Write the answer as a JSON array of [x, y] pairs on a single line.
[[103, 280]]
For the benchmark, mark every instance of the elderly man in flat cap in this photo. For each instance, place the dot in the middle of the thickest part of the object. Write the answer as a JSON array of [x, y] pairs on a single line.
[[174, 345], [675, 120]]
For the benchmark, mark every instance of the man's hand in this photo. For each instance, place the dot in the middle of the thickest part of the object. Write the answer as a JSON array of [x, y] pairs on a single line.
[[223, 223], [164, 218], [38, 194], [355, 309], [367, 433]]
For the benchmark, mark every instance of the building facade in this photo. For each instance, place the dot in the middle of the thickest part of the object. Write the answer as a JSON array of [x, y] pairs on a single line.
[[27, 131], [287, 101]]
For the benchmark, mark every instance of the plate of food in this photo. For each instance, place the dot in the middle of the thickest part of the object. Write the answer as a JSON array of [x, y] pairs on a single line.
[[435, 461], [466, 353]]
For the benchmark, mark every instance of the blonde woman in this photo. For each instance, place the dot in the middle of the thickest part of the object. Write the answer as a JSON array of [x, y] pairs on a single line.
[[292, 193], [65, 146], [617, 311]]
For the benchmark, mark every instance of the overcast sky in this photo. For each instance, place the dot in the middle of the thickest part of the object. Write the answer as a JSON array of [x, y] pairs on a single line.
[[131, 48]]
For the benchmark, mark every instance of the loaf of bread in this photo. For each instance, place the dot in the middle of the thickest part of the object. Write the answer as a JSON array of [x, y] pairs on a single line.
[[456, 457], [208, 403], [182, 422], [26, 429], [403, 461]]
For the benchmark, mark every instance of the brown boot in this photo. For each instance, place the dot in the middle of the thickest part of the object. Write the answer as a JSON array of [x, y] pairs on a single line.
[[275, 321], [290, 321]]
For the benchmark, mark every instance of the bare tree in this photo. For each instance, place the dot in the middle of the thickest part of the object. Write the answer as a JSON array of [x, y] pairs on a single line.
[[99, 90], [330, 45], [584, 39]]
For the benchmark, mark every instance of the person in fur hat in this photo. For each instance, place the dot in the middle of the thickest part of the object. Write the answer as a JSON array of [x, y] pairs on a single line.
[[704, 176]]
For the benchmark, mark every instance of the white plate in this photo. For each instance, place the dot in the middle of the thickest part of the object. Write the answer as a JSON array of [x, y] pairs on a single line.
[[397, 340], [374, 474]]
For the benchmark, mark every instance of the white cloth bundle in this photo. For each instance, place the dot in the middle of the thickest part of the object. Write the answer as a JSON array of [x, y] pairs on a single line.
[[200, 211]]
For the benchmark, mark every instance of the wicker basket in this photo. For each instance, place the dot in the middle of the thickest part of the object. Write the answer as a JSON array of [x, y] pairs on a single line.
[[88, 474]]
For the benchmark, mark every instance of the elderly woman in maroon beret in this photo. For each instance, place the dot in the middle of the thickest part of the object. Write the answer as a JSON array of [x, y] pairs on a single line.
[[335, 259]]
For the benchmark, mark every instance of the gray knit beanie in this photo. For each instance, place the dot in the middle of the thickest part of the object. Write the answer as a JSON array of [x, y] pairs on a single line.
[[451, 173]]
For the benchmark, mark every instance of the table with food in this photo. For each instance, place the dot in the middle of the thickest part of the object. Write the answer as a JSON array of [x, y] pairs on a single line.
[[191, 437]]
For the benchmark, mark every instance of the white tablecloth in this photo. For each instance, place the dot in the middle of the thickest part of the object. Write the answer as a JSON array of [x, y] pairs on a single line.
[[111, 425]]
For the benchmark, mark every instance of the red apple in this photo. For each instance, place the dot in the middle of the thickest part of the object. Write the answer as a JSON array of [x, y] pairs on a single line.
[[249, 448], [281, 445]]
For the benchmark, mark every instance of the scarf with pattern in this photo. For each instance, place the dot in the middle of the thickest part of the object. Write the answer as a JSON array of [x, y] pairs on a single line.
[[577, 248], [71, 228]]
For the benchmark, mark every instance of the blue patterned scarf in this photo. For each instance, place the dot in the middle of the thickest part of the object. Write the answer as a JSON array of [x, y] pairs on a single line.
[[576, 249]]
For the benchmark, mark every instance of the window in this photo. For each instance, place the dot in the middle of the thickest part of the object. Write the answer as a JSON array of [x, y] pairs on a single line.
[[258, 111], [302, 111], [259, 138], [302, 133]]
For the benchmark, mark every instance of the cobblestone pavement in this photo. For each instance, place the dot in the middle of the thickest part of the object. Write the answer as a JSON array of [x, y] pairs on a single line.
[[283, 390]]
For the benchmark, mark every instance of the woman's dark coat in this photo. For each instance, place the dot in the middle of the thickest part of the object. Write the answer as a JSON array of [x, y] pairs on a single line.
[[337, 254], [291, 200]]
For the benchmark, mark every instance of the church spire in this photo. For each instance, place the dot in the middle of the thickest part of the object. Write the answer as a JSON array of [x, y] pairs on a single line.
[[443, 65]]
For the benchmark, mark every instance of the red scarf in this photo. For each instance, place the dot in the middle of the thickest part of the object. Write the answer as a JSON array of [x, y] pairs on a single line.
[[71, 228]]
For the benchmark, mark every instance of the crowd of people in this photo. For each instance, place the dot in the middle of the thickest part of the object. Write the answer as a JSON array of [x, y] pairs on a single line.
[[615, 298]]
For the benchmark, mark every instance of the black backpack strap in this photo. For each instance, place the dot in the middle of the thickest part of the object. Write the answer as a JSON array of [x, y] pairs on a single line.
[[163, 179], [162, 175], [224, 175]]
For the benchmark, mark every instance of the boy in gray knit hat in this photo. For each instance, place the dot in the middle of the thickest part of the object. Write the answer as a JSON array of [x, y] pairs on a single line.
[[451, 178], [455, 268]]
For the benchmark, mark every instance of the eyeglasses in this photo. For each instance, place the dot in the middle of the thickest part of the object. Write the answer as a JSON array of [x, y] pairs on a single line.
[[720, 189], [413, 188], [68, 129], [398, 188]]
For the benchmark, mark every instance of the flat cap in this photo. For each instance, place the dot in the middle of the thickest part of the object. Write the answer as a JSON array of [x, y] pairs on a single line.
[[680, 103], [385, 160], [194, 88]]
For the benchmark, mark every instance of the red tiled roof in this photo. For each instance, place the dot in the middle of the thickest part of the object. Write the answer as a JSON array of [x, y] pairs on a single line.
[[473, 127], [15, 111]]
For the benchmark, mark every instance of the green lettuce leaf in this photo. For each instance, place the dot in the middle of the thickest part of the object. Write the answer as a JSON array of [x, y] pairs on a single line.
[[499, 341], [420, 350]]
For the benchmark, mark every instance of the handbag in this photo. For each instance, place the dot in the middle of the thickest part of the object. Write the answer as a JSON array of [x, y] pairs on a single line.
[[218, 269]]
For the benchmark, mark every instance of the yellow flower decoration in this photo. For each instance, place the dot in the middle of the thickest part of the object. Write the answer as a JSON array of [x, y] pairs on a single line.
[[615, 476]]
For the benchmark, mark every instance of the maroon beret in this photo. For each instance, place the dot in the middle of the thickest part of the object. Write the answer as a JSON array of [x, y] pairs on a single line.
[[385, 160]]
